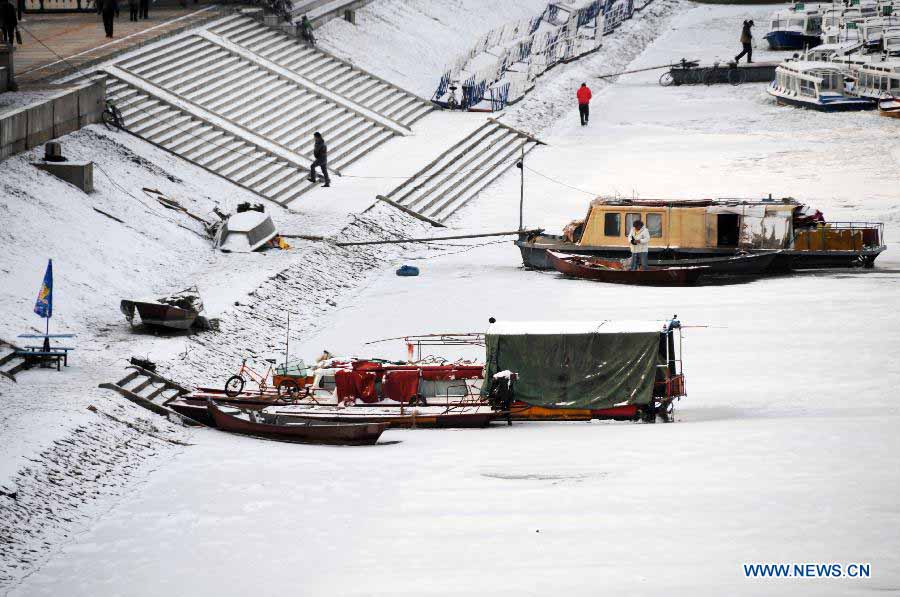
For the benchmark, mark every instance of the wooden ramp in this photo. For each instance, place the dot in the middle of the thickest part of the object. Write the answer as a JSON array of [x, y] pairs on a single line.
[[151, 391], [10, 363]]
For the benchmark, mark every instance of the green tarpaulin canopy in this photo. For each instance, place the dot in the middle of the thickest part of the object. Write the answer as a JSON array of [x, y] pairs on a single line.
[[576, 364]]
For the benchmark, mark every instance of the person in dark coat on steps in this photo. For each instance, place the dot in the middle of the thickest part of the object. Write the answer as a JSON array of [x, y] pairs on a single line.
[[144, 11], [320, 153], [134, 10], [110, 10], [8, 22], [747, 42], [584, 103]]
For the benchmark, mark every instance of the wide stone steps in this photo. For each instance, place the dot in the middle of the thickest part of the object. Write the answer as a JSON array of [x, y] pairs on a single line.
[[457, 176], [207, 145], [324, 69]]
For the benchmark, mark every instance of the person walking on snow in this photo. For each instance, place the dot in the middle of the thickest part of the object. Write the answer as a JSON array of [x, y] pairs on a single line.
[[584, 103], [320, 153], [306, 31], [144, 9], [747, 42], [134, 10], [110, 10], [639, 240], [8, 22]]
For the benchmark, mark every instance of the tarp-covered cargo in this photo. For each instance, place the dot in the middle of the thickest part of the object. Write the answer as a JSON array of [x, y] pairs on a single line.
[[589, 365]]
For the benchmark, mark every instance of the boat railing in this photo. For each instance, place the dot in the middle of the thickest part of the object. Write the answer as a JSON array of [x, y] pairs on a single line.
[[840, 236]]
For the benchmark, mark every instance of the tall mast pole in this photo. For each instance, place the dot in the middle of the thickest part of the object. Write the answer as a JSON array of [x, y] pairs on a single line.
[[521, 166]]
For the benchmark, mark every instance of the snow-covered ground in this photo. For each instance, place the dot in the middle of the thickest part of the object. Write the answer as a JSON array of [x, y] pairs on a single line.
[[783, 450]]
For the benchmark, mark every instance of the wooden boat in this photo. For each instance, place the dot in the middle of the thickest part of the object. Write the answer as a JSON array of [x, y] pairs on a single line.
[[433, 417], [612, 270], [178, 311], [194, 406], [299, 430]]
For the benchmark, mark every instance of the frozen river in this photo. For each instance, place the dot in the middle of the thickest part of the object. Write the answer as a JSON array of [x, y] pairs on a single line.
[[784, 449]]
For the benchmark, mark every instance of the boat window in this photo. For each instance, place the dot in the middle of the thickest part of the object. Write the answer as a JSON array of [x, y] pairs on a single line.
[[796, 23], [895, 83], [612, 224], [654, 225], [629, 221], [807, 88], [813, 25], [776, 24]]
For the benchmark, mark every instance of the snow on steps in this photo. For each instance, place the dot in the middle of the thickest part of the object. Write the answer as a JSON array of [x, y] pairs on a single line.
[[456, 176], [242, 101]]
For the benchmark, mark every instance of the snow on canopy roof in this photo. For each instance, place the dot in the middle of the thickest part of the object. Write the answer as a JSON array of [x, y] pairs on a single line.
[[552, 328]]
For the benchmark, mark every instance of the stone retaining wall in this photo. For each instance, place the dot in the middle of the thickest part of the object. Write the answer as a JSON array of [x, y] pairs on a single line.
[[72, 108]]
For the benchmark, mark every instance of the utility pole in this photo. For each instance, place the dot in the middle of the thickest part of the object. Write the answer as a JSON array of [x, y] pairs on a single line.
[[521, 167]]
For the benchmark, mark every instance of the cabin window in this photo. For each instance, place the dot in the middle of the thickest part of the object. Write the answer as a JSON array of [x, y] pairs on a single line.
[[807, 88], [796, 23], [728, 230], [654, 225], [895, 83], [629, 221], [814, 25], [612, 224]]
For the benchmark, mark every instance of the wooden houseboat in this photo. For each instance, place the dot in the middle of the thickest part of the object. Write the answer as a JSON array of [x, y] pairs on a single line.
[[691, 229]]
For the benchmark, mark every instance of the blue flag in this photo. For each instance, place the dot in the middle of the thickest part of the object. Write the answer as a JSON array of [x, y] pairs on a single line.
[[44, 304]]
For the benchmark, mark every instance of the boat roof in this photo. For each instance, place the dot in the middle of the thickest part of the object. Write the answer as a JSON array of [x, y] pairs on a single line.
[[804, 66], [246, 221], [692, 202], [555, 328]]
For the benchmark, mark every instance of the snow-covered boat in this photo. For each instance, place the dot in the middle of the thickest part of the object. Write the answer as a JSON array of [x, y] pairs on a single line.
[[816, 86], [178, 311], [890, 107], [878, 80], [245, 231], [300, 430], [794, 29]]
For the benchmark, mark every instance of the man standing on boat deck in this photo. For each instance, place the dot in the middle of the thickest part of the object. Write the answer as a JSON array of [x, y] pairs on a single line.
[[747, 42], [320, 153], [584, 103], [639, 239]]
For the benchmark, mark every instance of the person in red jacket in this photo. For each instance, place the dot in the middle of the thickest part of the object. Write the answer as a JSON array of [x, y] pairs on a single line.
[[584, 103]]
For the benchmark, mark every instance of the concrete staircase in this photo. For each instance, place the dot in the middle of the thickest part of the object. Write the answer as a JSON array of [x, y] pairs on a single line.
[[242, 100], [456, 176]]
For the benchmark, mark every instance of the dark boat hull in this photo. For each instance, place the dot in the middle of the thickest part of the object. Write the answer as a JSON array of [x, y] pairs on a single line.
[[791, 40], [577, 267], [535, 256], [307, 432], [165, 316]]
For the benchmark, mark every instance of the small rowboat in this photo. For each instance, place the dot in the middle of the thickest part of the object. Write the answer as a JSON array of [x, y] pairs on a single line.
[[298, 430], [416, 417], [889, 107], [613, 270]]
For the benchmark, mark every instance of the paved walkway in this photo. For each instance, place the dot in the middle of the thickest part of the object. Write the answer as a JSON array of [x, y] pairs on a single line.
[[80, 39]]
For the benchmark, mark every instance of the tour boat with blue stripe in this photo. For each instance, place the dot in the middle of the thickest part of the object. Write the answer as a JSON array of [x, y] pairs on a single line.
[[794, 29], [817, 86]]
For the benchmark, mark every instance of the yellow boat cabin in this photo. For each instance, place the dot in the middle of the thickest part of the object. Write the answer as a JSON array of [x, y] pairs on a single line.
[[694, 229]]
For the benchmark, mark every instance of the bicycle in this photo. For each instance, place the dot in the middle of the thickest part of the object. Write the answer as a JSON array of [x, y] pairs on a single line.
[[111, 117], [235, 383], [733, 75]]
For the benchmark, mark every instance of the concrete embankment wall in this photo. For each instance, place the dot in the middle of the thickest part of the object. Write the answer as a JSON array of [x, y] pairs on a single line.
[[72, 108]]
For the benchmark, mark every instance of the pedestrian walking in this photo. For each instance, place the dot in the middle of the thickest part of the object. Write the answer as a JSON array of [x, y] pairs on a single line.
[[134, 10], [144, 11], [109, 9], [320, 153], [8, 22], [639, 241], [584, 103], [306, 31], [747, 42]]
